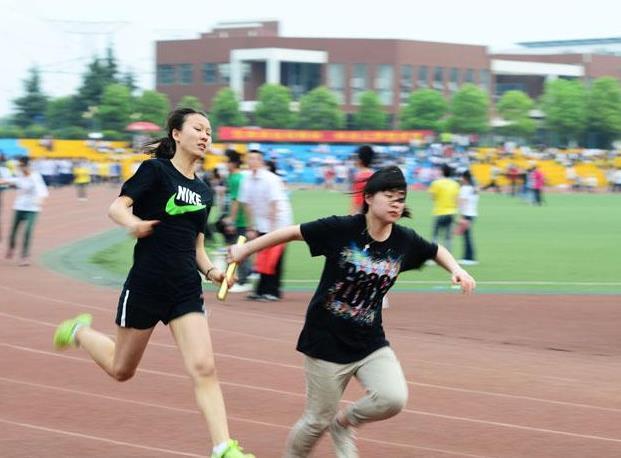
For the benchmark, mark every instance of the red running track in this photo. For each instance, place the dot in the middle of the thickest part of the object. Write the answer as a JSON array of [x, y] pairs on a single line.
[[489, 375]]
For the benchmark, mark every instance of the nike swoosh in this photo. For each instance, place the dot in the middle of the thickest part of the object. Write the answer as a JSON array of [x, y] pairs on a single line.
[[173, 209]]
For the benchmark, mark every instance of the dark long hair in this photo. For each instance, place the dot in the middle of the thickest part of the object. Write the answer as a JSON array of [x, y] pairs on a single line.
[[165, 147]]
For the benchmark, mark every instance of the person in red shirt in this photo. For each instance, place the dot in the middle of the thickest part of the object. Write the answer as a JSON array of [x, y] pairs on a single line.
[[538, 182], [364, 159]]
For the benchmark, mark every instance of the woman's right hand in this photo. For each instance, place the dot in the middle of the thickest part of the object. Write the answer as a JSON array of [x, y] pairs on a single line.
[[236, 253], [143, 228]]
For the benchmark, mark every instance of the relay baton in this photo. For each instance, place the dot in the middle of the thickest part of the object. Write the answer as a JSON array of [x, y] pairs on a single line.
[[230, 273]]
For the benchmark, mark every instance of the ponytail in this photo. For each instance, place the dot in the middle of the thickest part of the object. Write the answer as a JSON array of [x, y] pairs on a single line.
[[161, 148]]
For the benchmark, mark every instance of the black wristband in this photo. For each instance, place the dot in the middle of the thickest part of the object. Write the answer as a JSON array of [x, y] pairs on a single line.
[[207, 273]]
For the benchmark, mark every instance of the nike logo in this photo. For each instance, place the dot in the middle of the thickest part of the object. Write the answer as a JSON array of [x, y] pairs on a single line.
[[173, 208]]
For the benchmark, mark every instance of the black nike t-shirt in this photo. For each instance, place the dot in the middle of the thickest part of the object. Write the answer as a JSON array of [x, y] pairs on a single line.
[[344, 318], [165, 261]]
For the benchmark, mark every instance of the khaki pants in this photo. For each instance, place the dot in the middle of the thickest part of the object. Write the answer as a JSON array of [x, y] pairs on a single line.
[[386, 394]]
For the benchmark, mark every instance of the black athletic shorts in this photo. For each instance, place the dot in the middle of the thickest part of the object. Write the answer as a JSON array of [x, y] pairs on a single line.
[[143, 311]]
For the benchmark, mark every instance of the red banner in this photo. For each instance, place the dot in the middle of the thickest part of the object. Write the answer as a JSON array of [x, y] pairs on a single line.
[[241, 134]]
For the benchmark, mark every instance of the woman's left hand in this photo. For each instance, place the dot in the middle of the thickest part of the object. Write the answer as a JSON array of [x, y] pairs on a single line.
[[217, 276], [462, 278]]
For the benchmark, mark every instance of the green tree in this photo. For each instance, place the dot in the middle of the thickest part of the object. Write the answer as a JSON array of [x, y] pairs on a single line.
[[152, 106], [30, 108], [604, 108], [110, 67], [319, 109], [128, 79], [514, 107], [11, 131], [62, 112], [189, 101], [424, 109], [564, 103], [225, 110], [370, 114], [99, 74], [36, 131], [115, 108], [71, 133], [469, 110], [273, 107]]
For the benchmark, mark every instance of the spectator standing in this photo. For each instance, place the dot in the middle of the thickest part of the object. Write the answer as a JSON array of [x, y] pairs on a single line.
[[31, 191], [4, 174], [468, 203], [267, 208], [82, 178], [235, 219], [444, 192], [538, 182], [362, 163]]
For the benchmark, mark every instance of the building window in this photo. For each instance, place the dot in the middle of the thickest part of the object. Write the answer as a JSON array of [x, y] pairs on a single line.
[[359, 82], [438, 78], [423, 76], [300, 77], [384, 82], [469, 78], [484, 79], [166, 74], [336, 81], [454, 79], [406, 83], [185, 73], [224, 71], [210, 75], [247, 71]]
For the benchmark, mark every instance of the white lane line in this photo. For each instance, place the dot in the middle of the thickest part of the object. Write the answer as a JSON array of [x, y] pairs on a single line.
[[302, 395], [514, 396], [513, 426], [196, 412], [97, 438], [421, 384]]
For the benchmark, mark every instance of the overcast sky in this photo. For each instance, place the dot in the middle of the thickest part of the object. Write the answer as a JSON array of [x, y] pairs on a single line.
[[61, 36]]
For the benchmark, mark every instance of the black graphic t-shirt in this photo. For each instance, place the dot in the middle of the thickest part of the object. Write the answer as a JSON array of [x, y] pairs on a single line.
[[165, 261], [344, 318]]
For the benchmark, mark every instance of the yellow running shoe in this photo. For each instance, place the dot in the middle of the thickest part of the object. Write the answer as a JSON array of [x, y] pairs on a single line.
[[64, 335], [233, 450]]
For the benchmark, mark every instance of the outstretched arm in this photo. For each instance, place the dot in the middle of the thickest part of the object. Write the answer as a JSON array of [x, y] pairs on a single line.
[[458, 275], [238, 253]]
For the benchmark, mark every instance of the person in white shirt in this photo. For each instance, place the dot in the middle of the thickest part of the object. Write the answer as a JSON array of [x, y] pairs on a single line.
[[468, 203], [31, 190], [4, 173], [266, 204]]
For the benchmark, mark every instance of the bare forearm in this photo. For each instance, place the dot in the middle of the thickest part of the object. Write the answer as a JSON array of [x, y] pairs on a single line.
[[202, 260], [446, 260], [283, 235], [122, 215]]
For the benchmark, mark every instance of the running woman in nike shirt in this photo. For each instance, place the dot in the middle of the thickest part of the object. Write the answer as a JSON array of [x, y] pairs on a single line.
[[164, 205], [343, 335]]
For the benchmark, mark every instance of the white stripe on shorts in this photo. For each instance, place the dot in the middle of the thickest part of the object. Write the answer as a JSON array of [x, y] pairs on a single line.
[[124, 311]]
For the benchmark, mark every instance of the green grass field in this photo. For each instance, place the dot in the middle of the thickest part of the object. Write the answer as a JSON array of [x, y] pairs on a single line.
[[570, 245]]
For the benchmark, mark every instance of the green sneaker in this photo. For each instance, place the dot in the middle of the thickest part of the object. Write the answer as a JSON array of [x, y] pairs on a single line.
[[63, 337], [233, 451]]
